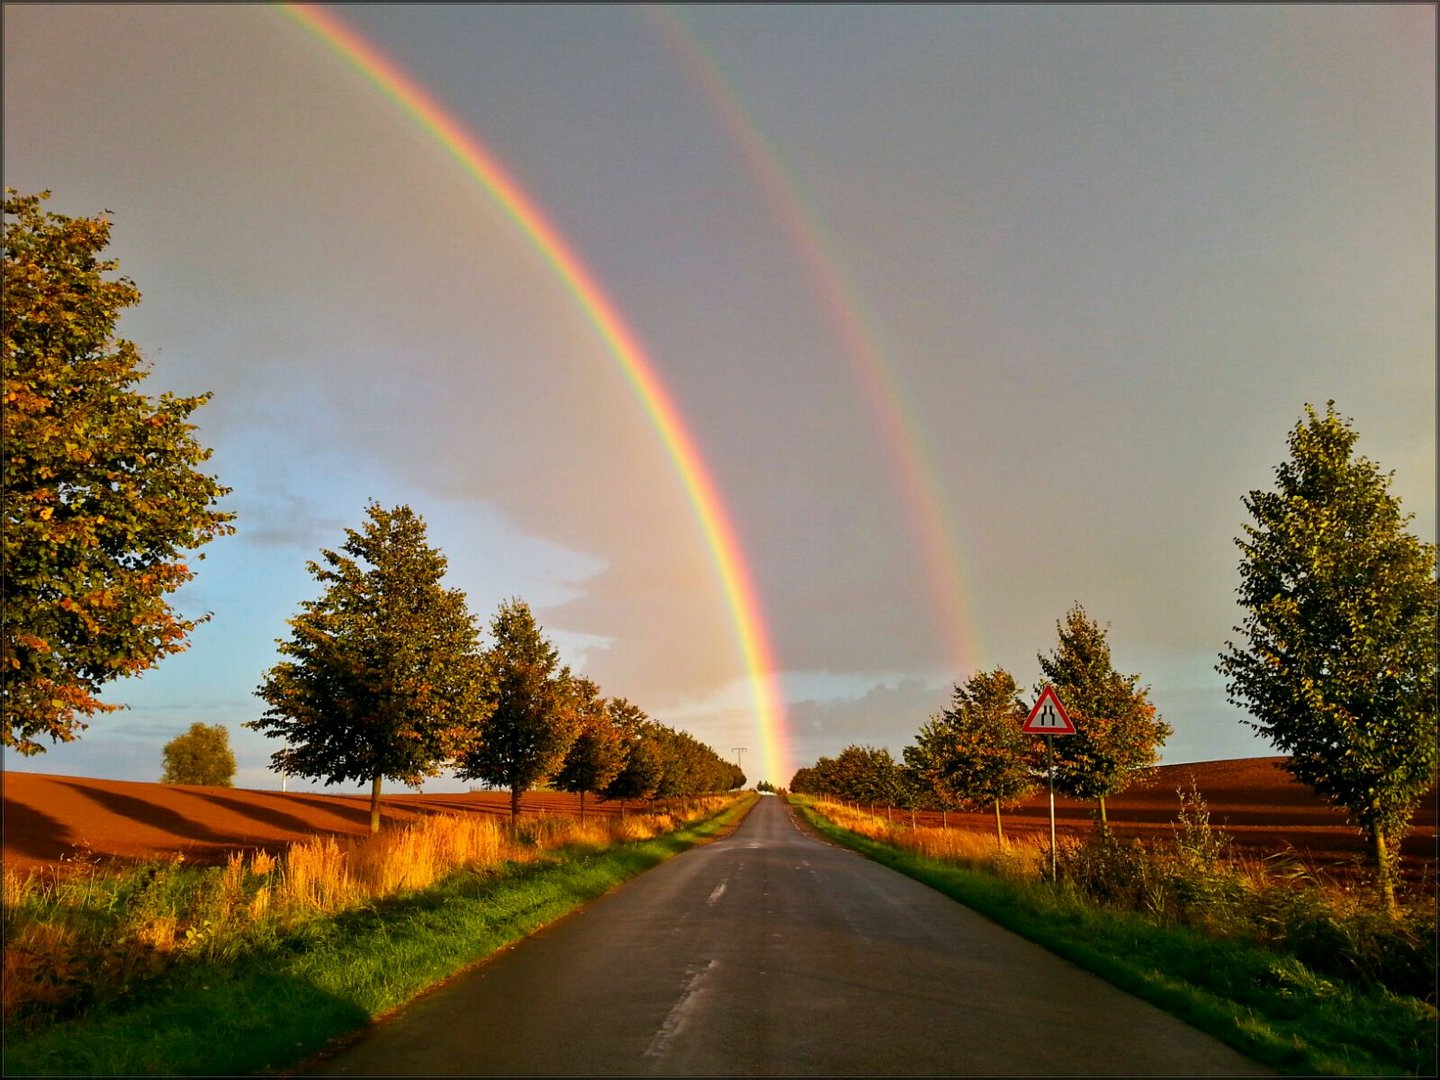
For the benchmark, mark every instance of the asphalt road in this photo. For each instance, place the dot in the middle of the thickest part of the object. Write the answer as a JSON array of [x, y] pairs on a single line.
[[771, 953]]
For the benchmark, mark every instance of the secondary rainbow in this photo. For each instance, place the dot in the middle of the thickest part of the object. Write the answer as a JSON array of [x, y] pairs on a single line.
[[620, 341], [934, 522]]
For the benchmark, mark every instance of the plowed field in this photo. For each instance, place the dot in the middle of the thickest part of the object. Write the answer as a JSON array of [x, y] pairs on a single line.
[[54, 818], [1253, 800]]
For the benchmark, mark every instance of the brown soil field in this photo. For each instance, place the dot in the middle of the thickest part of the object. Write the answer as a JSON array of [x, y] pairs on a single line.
[[54, 819], [1253, 800]]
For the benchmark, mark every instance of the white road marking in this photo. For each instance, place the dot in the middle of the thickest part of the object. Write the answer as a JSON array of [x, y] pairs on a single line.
[[714, 896], [678, 1014]]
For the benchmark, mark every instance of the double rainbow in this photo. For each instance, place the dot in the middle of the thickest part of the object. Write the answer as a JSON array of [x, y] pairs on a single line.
[[620, 341], [933, 520]]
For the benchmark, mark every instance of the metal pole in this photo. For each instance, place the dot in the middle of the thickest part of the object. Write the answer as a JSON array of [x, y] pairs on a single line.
[[1050, 769], [738, 751]]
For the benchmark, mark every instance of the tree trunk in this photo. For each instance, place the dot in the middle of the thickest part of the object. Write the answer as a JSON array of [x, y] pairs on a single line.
[[582, 806], [375, 803], [1384, 869], [944, 817], [1104, 821], [514, 803], [999, 831]]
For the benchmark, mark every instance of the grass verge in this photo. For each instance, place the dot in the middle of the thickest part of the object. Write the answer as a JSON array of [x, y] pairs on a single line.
[[1265, 1004], [270, 1009]]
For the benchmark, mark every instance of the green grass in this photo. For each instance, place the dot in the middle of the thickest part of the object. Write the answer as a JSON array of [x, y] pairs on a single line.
[[1265, 1004], [268, 1010]]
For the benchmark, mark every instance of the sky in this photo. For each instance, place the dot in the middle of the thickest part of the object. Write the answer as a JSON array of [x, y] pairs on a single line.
[[972, 313]]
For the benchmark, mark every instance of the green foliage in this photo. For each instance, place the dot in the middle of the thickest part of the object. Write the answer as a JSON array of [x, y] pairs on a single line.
[[690, 767], [860, 774], [643, 767], [101, 496], [525, 738], [1337, 664], [975, 754], [597, 755], [202, 755], [383, 676], [1117, 731]]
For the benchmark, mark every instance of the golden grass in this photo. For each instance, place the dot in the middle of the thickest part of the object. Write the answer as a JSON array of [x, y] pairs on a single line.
[[1019, 857], [56, 925]]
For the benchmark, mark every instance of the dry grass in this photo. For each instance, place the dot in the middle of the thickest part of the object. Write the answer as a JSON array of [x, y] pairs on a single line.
[[75, 935], [1017, 858]]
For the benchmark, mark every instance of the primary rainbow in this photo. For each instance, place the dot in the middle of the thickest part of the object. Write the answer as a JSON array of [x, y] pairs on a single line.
[[919, 479], [639, 370]]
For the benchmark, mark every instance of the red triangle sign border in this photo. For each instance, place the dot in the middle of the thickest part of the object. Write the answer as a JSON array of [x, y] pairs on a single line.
[[1032, 728]]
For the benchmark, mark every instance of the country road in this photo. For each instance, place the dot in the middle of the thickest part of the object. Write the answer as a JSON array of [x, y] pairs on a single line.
[[772, 953]]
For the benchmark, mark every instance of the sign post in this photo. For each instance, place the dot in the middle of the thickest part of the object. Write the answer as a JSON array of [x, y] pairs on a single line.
[[1048, 718]]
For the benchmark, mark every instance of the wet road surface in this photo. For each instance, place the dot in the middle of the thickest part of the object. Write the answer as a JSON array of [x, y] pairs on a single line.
[[772, 953]]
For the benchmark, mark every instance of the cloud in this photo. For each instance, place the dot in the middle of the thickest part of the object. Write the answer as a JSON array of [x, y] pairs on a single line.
[[886, 715]]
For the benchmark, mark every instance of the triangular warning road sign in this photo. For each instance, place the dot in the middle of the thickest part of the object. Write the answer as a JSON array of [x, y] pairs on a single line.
[[1048, 717]]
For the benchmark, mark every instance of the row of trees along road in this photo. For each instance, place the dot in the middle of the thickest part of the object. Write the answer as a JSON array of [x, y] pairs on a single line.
[[383, 675], [974, 755], [102, 498], [1337, 666]]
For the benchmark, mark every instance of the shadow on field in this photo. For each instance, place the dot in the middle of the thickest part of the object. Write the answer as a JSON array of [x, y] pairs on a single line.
[[353, 815], [148, 813], [39, 836], [265, 815]]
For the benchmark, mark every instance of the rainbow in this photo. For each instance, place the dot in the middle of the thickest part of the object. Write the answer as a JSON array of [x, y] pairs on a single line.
[[620, 341], [914, 465]]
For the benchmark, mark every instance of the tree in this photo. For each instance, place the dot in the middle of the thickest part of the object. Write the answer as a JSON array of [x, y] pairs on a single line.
[[925, 762], [1117, 730], [525, 738], [383, 676], [1338, 659], [866, 774], [200, 756], [598, 752], [806, 781], [975, 752], [643, 768], [101, 498]]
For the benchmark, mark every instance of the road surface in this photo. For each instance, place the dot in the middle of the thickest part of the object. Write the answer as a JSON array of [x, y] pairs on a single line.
[[772, 953]]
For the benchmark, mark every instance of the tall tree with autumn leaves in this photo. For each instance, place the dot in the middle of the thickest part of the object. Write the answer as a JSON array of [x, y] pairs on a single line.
[[102, 495]]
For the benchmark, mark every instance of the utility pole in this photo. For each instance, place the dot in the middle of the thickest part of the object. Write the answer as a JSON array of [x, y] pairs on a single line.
[[737, 751]]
